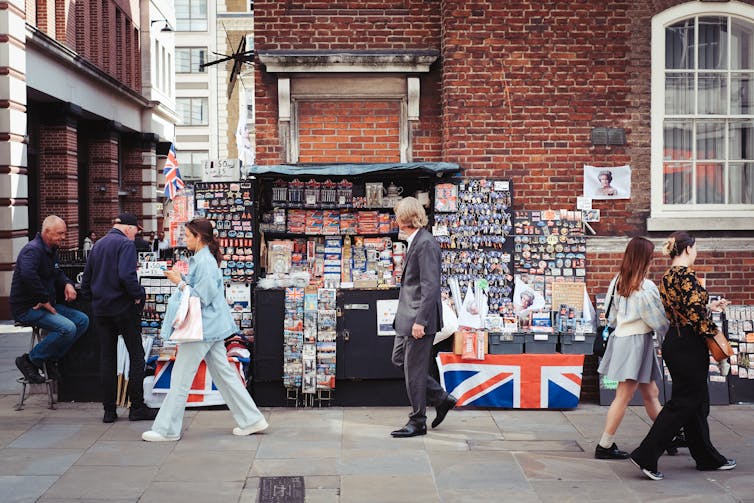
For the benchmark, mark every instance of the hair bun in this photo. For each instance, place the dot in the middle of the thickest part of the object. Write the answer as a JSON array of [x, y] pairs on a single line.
[[668, 246]]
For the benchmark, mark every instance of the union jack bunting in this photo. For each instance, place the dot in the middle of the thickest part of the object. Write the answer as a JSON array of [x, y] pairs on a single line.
[[526, 381], [173, 180]]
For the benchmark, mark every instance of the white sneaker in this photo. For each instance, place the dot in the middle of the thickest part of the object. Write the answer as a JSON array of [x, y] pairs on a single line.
[[153, 436], [260, 425]]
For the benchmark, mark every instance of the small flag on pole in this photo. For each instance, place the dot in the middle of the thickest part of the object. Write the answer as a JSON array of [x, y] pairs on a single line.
[[173, 181]]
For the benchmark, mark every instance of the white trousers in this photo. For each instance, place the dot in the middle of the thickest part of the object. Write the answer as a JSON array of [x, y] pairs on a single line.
[[169, 420]]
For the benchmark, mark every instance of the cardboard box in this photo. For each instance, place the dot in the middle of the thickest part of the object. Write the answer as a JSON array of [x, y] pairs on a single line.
[[458, 341]]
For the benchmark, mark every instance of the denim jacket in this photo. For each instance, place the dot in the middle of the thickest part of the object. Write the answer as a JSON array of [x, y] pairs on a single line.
[[205, 281]]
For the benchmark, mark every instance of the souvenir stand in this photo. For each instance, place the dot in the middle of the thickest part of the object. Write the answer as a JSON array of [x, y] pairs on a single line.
[[739, 327], [332, 265], [535, 355]]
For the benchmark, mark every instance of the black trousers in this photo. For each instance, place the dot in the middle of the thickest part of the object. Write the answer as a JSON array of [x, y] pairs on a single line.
[[108, 328], [685, 352], [412, 356]]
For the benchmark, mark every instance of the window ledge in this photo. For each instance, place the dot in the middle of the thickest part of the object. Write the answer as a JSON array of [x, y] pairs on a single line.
[[360, 61], [710, 223]]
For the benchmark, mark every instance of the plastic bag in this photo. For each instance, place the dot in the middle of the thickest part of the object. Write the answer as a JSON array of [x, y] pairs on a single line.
[[449, 323]]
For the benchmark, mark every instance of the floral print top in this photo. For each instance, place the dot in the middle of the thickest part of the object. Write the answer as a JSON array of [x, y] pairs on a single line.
[[685, 300]]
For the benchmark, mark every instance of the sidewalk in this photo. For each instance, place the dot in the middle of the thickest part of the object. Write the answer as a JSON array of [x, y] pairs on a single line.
[[346, 455]]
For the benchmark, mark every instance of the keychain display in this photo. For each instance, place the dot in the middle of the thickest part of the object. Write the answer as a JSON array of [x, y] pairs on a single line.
[[230, 206], [474, 234], [549, 246]]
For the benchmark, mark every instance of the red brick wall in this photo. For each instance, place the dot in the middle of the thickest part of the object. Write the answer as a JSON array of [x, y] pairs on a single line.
[[346, 25], [103, 172], [132, 179], [349, 131], [58, 177], [727, 273]]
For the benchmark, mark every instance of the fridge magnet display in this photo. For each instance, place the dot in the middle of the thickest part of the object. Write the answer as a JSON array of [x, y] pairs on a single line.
[[608, 182]]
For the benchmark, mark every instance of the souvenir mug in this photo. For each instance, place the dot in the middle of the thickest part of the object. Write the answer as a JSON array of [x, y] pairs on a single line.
[[399, 248]]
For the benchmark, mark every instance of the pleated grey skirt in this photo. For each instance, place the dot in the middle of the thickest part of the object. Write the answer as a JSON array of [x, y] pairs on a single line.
[[632, 357]]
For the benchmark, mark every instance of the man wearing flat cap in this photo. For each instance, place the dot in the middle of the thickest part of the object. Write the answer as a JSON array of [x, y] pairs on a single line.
[[111, 283]]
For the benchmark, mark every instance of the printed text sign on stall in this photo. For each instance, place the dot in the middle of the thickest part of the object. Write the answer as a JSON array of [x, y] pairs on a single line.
[[221, 170]]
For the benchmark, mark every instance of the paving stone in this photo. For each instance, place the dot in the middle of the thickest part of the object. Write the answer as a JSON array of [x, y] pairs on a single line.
[[276, 446], [294, 466], [579, 491], [206, 466], [209, 491], [477, 470], [384, 462], [525, 445], [102, 482], [217, 439], [18, 489], [64, 436], [126, 454], [37, 461], [519, 494], [537, 466], [331, 495], [361, 488]]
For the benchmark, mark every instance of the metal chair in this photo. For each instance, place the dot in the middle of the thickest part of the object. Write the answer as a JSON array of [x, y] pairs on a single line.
[[36, 337]]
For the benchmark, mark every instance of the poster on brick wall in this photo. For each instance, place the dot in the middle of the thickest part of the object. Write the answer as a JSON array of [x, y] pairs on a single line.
[[607, 182]]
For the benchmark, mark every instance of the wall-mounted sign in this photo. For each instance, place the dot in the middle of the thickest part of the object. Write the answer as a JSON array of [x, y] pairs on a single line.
[[221, 170]]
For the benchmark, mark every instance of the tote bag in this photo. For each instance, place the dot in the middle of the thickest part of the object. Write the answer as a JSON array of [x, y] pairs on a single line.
[[190, 329]]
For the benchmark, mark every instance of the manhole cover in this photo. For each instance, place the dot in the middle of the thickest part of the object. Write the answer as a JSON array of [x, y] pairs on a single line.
[[281, 490]]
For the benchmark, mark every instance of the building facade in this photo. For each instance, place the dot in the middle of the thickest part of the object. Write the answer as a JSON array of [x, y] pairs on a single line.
[[533, 91], [83, 111], [209, 114]]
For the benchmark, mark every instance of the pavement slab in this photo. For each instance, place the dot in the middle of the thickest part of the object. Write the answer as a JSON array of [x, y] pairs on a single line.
[[210, 491], [23, 489], [38, 461], [388, 488], [209, 466], [102, 482]]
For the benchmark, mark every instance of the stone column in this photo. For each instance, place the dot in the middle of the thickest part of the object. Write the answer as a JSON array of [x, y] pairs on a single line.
[[14, 194]]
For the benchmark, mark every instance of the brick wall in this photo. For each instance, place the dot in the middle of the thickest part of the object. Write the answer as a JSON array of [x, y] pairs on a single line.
[[132, 179], [348, 25], [103, 172], [58, 176], [349, 131]]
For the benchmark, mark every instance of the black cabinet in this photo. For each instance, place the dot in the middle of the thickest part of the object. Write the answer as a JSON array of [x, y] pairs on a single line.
[[365, 374]]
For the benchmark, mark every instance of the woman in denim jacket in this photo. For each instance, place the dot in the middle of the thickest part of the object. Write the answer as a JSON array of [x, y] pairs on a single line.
[[204, 281]]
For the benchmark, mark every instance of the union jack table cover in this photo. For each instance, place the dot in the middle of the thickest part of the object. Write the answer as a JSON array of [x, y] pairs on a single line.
[[203, 390], [525, 381]]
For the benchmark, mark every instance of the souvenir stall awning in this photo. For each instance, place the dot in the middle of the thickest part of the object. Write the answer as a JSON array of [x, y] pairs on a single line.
[[431, 168]]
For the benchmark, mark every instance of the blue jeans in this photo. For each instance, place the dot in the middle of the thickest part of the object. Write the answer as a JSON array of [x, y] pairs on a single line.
[[62, 329]]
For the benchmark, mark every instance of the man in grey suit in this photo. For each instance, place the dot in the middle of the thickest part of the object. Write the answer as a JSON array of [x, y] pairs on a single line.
[[418, 318]]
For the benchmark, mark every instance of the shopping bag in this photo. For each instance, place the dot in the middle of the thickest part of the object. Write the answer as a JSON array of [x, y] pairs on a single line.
[[449, 323], [180, 315], [190, 330]]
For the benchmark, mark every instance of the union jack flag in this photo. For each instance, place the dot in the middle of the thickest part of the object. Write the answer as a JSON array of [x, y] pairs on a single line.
[[203, 390], [526, 381], [173, 180]]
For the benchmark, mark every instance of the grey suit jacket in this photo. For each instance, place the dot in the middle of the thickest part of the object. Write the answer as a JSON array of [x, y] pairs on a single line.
[[419, 300]]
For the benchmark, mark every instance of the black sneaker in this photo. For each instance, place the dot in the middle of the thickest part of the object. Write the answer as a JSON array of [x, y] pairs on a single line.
[[654, 475], [611, 452], [728, 465], [110, 416], [29, 370], [142, 413]]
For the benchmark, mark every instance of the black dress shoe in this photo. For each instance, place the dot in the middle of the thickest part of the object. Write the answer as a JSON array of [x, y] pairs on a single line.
[[611, 452], [442, 410], [410, 430], [110, 416], [29, 370], [142, 413]]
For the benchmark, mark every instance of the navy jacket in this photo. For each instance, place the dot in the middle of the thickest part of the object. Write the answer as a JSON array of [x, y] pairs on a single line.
[[110, 279], [36, 278]]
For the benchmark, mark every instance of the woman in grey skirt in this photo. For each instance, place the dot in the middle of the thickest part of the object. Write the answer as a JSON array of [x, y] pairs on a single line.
[[636, 312]]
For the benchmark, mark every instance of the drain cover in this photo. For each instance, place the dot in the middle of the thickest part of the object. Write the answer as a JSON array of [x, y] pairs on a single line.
[[281, 490]]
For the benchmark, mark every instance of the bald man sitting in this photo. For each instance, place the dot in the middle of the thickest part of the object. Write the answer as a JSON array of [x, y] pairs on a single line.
[[37, 280]]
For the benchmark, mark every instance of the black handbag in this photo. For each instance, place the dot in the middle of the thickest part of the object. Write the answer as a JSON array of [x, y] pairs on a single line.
[[600, 340]]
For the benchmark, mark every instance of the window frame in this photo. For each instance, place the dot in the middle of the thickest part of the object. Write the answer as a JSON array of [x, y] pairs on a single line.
[[192, 50], [187, 23], [663, 216], [191, 99]]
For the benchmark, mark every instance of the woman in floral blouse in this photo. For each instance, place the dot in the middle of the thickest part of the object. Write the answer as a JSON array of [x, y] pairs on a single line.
[[685, 353]]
